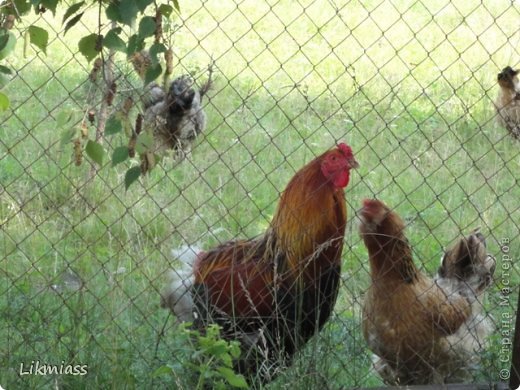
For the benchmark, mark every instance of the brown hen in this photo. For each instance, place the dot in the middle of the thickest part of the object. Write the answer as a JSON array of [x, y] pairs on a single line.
[[407, 316]]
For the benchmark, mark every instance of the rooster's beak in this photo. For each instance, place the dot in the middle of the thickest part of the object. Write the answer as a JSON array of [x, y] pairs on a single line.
[[353, 164]]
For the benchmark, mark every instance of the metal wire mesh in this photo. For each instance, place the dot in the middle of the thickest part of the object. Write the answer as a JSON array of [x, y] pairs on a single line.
[[410, 85]]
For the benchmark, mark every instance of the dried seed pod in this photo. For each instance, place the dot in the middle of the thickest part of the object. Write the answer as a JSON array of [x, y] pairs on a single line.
[[131, 145], [158, 26], [168, 57], [141, 62], [147, 162], [139, 123], [111, 93], [99, 43], [91, 116], [78, 152], [96, 67], [9, 22], [144, 164], [127, 106], [84, 130]]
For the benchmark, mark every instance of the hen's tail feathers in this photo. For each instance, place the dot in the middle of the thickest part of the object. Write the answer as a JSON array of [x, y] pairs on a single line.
[[467, 265], [177, 294]]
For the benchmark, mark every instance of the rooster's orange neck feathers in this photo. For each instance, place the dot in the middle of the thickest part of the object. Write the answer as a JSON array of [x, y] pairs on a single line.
[[310, 219]]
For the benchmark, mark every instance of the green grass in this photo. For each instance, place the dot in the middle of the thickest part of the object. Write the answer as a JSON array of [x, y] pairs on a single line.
[[292, 78]]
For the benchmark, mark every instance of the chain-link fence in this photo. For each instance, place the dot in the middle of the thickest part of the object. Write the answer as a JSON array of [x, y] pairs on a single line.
[[411, 86]]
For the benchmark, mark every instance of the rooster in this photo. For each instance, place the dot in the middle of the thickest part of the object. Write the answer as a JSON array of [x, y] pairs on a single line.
[[274, 292], [414, 324], [507, 103]]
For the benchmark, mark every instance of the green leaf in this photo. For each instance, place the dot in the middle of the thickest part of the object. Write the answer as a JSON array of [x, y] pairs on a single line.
[[68, 135], [127, 125], [71, 23], [144, 142], [143, 4], [128, 10], [4, 38], [39, 37], [154, 51], [9, 42], [50, 5], [22, 6], [131, 176], [113, 126], [95, 151], [120, 155], [234, 350], [72, 10], [135, 44], [166, 10], [112, 12], [152, 73], [64, 117], [158, 158], [176, 5], [113, 41], [4, 102], [146, 27], [88, 45], [233, 379], [5, 70], [216, 348], [3, 80], [163, 370]]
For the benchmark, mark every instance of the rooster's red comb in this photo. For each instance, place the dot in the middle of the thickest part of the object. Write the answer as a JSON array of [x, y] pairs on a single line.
[[345, 149]]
